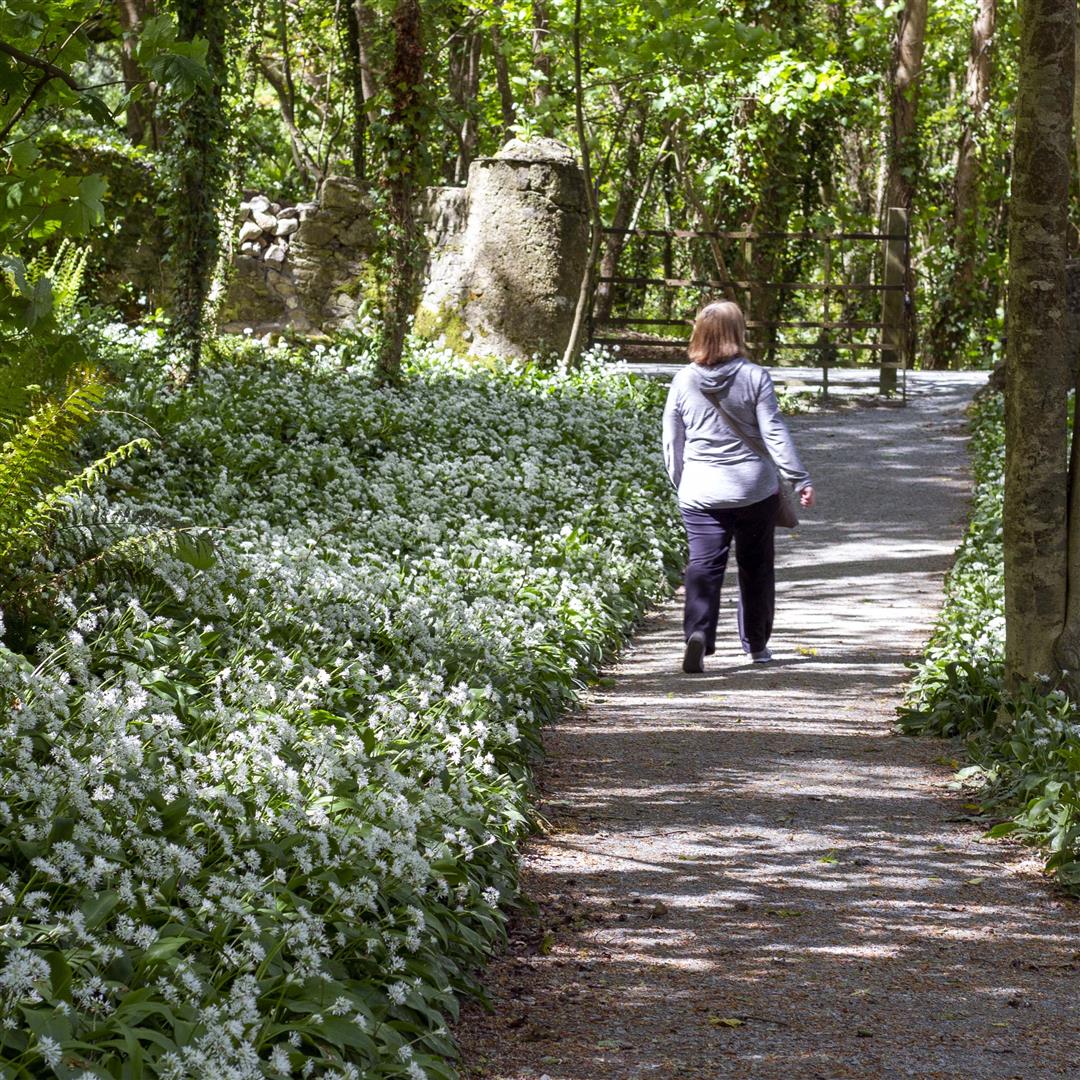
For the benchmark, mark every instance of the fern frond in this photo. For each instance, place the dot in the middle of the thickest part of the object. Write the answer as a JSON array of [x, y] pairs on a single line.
[[66, 274], [38, 348], [33, 459], [191, 544], [19, 537]]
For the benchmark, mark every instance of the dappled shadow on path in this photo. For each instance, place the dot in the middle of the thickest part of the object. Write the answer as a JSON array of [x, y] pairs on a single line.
[[745, 874]]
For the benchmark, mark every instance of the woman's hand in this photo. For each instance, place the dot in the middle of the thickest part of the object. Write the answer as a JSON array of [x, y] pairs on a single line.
[[806, 496]]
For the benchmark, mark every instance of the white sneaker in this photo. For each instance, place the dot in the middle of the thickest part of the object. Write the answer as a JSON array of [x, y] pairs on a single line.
[[763, 656]]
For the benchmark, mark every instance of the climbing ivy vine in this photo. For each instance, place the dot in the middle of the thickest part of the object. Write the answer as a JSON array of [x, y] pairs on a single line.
[[198, 132]]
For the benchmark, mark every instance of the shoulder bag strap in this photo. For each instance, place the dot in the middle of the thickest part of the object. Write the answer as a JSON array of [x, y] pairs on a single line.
[[754, 442], [786, 512]]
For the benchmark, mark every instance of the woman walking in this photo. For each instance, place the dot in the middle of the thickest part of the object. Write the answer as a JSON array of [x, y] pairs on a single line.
[[719, 406]]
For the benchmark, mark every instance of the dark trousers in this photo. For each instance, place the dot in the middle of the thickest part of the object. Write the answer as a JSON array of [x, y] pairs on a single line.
[[710, 533]]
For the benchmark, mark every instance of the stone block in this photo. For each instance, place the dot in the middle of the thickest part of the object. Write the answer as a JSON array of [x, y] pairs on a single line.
[[359, 236], [249, 231], [315, 232], [341, 192]]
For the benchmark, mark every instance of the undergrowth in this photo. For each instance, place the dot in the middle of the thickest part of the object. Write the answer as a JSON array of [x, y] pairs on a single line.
[[1025, 750], [260, 810]]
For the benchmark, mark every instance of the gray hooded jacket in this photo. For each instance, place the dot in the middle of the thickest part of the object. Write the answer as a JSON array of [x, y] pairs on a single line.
[[710, 466]]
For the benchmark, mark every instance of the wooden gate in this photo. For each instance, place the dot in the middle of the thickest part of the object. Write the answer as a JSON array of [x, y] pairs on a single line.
[[836, 314]]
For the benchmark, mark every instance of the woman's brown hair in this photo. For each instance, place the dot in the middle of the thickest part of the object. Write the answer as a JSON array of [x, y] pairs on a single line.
[[719, 334]]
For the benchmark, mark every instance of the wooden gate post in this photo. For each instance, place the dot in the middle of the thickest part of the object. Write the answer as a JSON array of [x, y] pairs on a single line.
[[893, 308]]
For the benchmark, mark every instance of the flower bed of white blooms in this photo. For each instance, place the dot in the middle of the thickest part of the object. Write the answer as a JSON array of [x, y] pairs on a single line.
[[259, 815]]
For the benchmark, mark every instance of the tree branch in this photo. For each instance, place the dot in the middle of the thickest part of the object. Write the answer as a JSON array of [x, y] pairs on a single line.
[[51, 70], [577, 331], [701, 210], [24, 108], [302, 150]]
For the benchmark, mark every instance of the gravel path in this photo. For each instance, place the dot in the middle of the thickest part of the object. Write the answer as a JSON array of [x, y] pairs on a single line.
[[746, 873]]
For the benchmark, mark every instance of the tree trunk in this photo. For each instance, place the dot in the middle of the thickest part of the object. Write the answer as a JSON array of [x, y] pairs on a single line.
[[365, 24], [969, 165], [903, 155], [903, 150], [464, 80], [581, 312], [1067, 647], [285, 91], [624, 209], [354, 74], [1076, 104], [667, 253], [961, 304], [1037, 371], [502, 82], [202, 169], [140, 114], [404, 132], [542, 61]]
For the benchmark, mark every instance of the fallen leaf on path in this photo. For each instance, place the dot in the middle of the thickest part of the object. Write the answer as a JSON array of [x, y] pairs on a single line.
[[726, 1021]]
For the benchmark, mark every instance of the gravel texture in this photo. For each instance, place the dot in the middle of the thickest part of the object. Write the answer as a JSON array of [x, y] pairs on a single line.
[[745, 872]]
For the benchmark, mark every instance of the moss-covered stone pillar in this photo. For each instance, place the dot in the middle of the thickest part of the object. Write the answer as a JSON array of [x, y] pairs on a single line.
[[505, 283]]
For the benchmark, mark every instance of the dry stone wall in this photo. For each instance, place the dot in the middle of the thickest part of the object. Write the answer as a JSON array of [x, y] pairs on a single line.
[[300, 267], [507, 255]]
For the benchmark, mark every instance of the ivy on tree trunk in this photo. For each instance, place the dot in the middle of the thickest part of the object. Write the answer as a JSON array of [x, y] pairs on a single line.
[[199, 132], [403, 172]]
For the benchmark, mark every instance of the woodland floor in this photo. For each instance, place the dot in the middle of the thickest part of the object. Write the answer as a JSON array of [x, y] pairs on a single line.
[[746, 873]]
